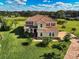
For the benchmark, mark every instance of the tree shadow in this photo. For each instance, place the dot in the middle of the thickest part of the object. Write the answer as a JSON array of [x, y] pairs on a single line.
[[57, 46], [47, 56], [7, 28], [19, 31], [25, 44], [51, 55]]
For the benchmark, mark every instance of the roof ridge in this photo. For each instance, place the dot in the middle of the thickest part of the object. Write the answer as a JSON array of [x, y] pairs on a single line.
[[41, 18]]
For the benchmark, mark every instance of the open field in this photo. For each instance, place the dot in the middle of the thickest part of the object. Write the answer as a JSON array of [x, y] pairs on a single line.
[[69, 25], [16, 18]]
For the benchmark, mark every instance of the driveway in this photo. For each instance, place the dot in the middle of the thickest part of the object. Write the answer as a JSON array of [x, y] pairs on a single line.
[[73, 51]]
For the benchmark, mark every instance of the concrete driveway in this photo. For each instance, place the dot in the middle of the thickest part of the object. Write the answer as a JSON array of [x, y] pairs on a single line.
[[73, 51]]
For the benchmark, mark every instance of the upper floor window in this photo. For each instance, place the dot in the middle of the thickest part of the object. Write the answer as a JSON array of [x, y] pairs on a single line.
[[41, 25], [48, 24], [52, 24]]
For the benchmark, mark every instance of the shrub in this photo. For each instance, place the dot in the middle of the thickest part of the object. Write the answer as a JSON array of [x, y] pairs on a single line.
[[61, 22], [45, 42], [63, 26], [67, 37], [61, 46], [73, 29]]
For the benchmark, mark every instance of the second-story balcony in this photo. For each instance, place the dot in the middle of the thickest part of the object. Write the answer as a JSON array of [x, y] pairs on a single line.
[[31, 26]]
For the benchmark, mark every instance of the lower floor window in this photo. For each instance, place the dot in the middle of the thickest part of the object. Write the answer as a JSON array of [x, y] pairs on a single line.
[[41, 34], [49, 34], [52, 34]]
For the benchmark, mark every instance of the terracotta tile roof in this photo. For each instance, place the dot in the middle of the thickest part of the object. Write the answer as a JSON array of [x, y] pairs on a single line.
[[40, 19]]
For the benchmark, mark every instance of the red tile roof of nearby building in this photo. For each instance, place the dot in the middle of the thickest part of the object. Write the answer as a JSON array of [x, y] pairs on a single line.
[[40, 19]]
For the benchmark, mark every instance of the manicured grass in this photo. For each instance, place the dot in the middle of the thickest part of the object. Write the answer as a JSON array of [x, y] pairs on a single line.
[[69, 25], [12, 48], [16, 18]]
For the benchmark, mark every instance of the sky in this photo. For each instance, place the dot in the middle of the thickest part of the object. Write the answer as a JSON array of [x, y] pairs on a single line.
[[38, 5]]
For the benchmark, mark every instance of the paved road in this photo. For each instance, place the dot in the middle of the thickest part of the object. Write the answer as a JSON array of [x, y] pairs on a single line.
[[73, 51]]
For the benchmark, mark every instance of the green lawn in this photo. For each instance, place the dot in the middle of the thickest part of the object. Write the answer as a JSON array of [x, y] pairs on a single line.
[[69, 25], [16, 18], [12, 48]]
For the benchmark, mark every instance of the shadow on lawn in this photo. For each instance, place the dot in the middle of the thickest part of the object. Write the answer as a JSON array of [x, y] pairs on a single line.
[[19, 31], [4, 29], [52, 55], [47, 56], [25, 44]]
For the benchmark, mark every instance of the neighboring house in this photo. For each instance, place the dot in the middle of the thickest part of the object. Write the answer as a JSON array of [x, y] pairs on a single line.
[[41, 26]]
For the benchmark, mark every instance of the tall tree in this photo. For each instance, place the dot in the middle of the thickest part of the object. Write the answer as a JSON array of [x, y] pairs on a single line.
[[60, 14]]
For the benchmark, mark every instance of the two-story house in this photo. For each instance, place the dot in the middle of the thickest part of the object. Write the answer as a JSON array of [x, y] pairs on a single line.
[[41, 26]]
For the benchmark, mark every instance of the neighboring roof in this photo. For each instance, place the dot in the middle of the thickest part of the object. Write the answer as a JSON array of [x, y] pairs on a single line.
[[40, 19], [48, 29]]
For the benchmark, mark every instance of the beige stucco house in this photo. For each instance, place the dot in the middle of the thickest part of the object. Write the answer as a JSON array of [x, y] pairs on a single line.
[[41, 26]]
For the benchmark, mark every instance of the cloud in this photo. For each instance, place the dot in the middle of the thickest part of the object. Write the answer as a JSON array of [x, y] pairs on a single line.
[[1, 3], [19, 2], [45, 5], [21, 5], [46, 1], [57, 6], [10, 2], [25, 0]]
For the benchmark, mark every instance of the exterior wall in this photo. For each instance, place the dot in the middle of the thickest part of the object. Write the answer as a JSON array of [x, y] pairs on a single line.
[[56, 33], [26, 29], [46, 34]]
